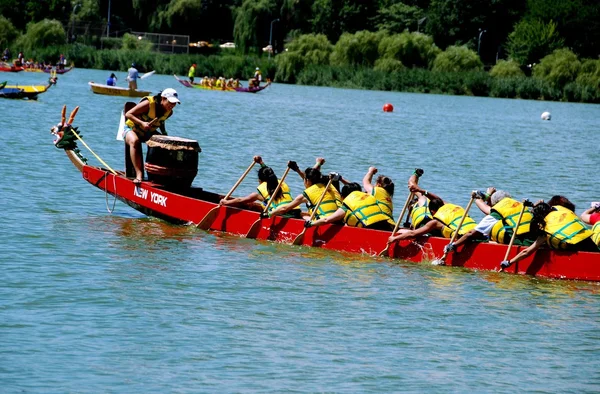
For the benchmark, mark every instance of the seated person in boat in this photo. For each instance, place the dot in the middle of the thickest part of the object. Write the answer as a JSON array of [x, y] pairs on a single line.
[[502, 213], [230, 83], [559, 228], [359, 209], [257, 79], [267, 184], [112, 80], [219, 82], [236, 83], [383, 191], [419, 212], [315, 184], [142, 122], [591, 216], [446, 218]]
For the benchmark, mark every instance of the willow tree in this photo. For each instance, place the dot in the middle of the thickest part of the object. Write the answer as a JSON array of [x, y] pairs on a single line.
[[252, 24]]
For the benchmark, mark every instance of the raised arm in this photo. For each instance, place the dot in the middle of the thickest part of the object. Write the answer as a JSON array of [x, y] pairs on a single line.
[[404, 234], [368, 178]]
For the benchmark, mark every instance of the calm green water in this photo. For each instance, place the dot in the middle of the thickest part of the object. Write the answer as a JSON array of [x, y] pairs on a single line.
[[97, 302]]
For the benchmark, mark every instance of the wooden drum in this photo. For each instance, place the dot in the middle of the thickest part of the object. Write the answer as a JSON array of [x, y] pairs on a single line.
[[172, 161]]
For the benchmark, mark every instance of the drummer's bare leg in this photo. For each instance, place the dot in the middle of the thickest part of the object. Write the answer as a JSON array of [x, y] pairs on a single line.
[[135, 150]]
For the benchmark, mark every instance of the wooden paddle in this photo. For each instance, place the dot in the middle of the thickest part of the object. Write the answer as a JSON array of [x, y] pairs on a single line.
[[516, 228], [210, 217], [387, 246], [255, 228], [442, 260], [300, 237]]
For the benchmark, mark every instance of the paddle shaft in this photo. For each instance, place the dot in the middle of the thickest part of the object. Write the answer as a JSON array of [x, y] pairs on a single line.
[[253, 228], [455, 234], [514, 235], [300, 236], [397, 226]]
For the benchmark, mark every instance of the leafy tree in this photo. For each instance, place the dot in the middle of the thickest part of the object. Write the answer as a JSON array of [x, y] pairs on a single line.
[[398, 17], [457, 58], [388, 65], [314, 48], [360, 48], [8, 33], [412, 49], [41, 34], [589, 74], [131, 42], [22, 12], [252, 24], [506, 69], [532, 40], [558, 68], [334, 17]]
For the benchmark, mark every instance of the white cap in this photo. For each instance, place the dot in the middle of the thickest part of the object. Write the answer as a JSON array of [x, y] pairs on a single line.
[[257, 68], [171, 95]]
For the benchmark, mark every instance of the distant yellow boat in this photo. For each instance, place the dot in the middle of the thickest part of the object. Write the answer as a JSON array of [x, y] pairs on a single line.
[[30, 88], [116, 90]]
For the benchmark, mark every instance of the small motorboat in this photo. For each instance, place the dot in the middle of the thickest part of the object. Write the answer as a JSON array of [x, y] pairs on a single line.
[[117, 90]]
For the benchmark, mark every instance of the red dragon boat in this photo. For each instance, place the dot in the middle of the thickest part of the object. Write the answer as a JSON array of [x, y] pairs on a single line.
[[185, 204], [7, 67], [242, 89]]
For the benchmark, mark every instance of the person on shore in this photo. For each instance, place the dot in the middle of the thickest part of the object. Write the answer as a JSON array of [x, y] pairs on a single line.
[[358, 209], [142, 122], [192, 73], [132, 77], [268, 182], [314, 184], [502, 213], [559, 228], [112, 80], [446, 218], [383, 191]]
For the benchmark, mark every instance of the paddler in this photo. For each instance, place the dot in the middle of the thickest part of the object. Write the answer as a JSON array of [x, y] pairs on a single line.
[[559, 228], [315, 183], [420, 214], [143, 120], [502, 213], [446, 218], [267, 183], [383, 191], [591, 216], [359, 209]]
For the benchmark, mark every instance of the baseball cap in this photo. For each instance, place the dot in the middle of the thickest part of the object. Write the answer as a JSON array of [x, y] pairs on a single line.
[[171, 95], [257, 68]]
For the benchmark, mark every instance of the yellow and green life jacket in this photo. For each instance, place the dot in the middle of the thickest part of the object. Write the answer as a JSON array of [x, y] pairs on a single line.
[[450, 215], [331, 202], [509, 210], [363, 210], [419, 214], [596, 234], [384, 200], [148, 117], [563, 227], [284, 197]]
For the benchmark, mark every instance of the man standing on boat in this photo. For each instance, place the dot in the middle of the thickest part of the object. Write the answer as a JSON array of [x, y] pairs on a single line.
[[192, 73], [142, 122], [132, 77]]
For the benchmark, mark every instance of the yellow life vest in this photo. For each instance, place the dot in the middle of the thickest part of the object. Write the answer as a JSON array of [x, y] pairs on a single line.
[[218, 83], [420, 213], [564, 228], [192, 72], [450, 215], [384, 200], [363, 210], [596, 234], [147, 117], [284, 197], [331, 202], [510, 210]]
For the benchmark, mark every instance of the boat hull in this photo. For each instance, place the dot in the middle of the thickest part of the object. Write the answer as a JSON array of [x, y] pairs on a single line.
[[187, 84], [30, 88], [194, 204], [117, 91]]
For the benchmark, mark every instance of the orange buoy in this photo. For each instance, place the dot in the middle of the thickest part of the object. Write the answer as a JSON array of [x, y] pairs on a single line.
[[387, 107]]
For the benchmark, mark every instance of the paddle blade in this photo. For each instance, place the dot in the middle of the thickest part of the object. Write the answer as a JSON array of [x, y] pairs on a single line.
[[384, 252], [440, 261], [254, 229], [208, 220], [147, 75], [299, 238]]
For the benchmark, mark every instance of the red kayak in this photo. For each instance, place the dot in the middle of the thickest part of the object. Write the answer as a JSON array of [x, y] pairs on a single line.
[[185, 204]]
